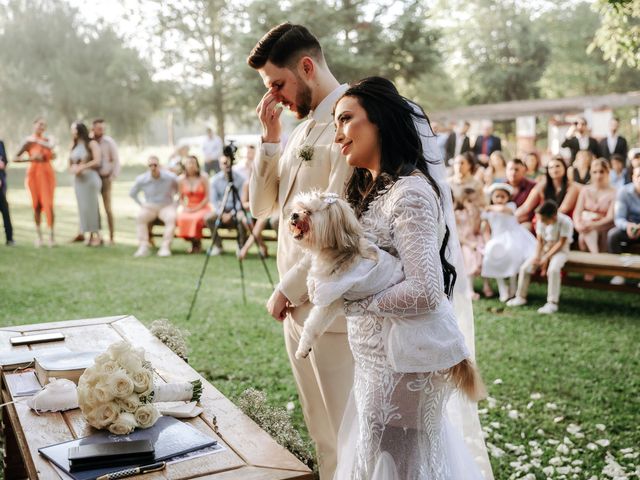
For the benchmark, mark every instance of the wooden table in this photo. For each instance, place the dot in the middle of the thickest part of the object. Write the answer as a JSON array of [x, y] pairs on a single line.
[[250, 453]]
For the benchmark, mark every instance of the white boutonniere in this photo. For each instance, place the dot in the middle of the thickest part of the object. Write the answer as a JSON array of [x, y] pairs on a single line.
[[305, 153]]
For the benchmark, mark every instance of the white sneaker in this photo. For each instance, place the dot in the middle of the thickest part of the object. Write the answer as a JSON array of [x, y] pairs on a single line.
[[617, 280], [143, 251], [548, 308], [164, 252], [215, 251], [517, 302]]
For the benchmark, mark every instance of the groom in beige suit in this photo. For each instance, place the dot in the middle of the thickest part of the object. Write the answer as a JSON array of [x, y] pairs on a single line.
[[290, 61]]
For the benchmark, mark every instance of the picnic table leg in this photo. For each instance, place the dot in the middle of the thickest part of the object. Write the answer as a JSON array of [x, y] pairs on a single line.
[[12, 462]]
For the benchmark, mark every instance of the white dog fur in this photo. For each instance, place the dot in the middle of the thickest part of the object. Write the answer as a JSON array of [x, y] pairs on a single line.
[[342, 263]]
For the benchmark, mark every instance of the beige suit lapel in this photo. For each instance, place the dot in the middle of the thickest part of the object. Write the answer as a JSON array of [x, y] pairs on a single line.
[[311, 139]]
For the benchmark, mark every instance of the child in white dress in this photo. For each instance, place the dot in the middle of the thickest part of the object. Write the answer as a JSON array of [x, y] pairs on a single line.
[[510, 245]]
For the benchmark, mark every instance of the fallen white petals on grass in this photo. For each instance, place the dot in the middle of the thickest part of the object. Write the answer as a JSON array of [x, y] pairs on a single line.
[[592, 446], [601, 427], [558, 419], [603, 442], [513, 414], [573, 428], [536, 396], [563, 449], [497, 381], [550, 406], [626, 450], [291, 406], [613, 469]]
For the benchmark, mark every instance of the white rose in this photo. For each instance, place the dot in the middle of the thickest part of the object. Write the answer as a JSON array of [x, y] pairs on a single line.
[[105, 414], [101, 392], [142, 381], [130, 403], [119, 384], [131, 362], [87, 398], [146, 415], [102, 358], [89, 377], [109, 367], [125, 424], [117, 350]]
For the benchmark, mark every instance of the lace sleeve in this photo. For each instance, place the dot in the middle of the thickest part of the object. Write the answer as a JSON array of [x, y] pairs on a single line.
[[415, 237]]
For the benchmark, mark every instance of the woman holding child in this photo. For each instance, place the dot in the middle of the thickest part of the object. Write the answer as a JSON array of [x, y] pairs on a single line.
[[408, 348]]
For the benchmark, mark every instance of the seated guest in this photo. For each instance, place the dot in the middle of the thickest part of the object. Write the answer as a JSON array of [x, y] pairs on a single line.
[[258, 224], [225, 212], [177, 159], [534, 166], [4, 205], [194, 203], [554, 232], [593, 216], [464, 167], [555, 186], [618, 172], [634, 162], [497, 169], [627, 218], [521, 185], [613, 143], [578, 138], [159, 188], [579, 171]]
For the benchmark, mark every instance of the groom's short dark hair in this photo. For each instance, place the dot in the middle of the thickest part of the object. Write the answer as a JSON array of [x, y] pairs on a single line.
[[283, 46]]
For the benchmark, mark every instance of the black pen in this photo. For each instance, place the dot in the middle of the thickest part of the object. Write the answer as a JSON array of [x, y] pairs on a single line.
[[154, 467]]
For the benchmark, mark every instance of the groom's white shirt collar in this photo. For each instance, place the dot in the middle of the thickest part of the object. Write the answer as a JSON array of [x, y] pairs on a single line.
[[323, 111]]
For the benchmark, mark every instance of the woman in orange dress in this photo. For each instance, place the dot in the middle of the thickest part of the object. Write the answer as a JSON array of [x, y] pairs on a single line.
[[194, 201], [40, 178]]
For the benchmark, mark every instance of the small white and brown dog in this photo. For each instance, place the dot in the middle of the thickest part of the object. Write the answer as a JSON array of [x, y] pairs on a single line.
[[342, 264]]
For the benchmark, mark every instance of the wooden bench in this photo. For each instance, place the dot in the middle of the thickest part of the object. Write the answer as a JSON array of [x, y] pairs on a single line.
[[268, 235], [251, 454], [602, 265]]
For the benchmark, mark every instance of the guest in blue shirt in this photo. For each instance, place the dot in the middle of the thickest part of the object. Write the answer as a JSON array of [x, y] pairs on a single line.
[[159, 187], [4, 205], [627, 215], [618, 172], [225, 212]]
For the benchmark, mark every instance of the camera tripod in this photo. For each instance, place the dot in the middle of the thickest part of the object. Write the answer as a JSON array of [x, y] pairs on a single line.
[[230, 191]]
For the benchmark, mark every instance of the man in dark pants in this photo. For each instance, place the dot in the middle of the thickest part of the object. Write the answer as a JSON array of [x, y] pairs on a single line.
[[4, 206]]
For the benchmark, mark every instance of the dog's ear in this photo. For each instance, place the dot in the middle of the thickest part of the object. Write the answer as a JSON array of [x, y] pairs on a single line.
[[346, 228]]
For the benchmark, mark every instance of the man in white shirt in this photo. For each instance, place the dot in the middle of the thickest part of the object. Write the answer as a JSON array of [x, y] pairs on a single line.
[[294, 71], [614, 143], [212, 151]]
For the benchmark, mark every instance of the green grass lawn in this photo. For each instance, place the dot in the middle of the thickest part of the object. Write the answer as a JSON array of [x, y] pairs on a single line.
[[563, 388]]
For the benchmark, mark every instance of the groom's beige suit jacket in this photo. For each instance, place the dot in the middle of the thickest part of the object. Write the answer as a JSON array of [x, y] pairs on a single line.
[[278, 177]]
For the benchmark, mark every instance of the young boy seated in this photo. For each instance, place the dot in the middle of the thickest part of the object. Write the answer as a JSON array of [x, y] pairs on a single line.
[[554, 232]]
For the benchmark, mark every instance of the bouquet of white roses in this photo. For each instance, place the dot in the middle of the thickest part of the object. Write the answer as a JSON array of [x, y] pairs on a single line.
[[117, 392]]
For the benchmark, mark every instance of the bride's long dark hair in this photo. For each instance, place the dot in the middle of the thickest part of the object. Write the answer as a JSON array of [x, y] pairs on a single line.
[[401, 151]]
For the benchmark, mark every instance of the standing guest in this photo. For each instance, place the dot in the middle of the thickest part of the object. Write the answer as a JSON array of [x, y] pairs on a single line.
[[554, 232], [194, 200], [4, 205], [579, 171], [613, 143], [464, 167], [486, 144], [40, 178], [159, 187], [292, 66], [109, 170], [534, 166], [225, 212], [442, 137], [497, 169], [457, 143], [468, 222], [510, 244], [555, 186], [212, 151], [247, 167], [84, 162], [618, 173], [627, 219], [593, 216], [578, 138]]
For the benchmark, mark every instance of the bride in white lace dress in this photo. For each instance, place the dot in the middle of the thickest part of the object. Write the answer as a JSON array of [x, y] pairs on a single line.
[[410, 354]]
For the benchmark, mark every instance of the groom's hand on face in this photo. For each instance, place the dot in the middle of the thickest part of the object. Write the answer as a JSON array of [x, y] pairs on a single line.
[[278, 305], [269, 112]]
